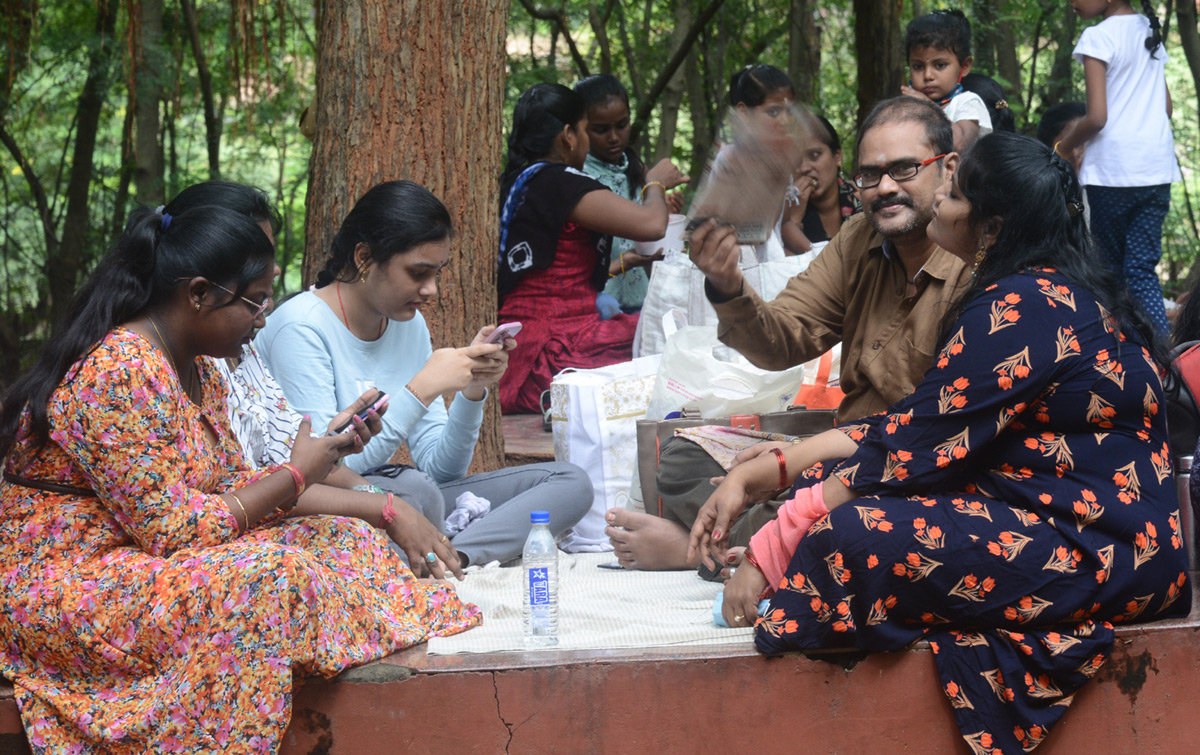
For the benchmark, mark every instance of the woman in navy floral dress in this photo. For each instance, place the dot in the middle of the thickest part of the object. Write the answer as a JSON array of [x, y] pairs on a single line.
[[1012, 509]]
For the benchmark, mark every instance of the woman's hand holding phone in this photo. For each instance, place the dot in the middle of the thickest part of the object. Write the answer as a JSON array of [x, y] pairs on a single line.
[[364, 415], [315, 456]]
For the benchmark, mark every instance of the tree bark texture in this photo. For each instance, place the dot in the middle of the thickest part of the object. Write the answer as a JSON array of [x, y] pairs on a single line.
[[148, 151], [414, 90], [881, 54], [1008, 66], [1189, 37], [804, 51], [1058, 86]]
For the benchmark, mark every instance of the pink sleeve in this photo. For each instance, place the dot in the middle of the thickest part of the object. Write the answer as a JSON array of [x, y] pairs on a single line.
[[774, 544]]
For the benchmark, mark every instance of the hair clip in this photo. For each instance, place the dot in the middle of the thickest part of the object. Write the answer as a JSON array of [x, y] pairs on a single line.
[[1074, 208], [166, 221], [1001, 104]]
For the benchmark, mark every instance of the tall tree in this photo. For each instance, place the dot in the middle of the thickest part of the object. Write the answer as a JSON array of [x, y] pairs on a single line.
[[804, 51], [672, 96], [877, 29], [148, 77], [414, 90], [212, 124]]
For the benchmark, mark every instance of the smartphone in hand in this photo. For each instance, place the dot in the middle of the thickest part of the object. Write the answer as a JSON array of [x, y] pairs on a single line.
[[507, 330], [377, 400]]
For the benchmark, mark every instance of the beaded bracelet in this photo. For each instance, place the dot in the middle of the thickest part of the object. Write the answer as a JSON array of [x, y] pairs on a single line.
[[783, 480], [413, 391]]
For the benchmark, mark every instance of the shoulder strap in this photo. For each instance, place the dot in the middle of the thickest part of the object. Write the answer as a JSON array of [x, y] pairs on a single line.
[[1187, 366]]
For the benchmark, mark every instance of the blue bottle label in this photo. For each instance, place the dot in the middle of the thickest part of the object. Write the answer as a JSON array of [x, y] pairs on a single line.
[[539, 586]]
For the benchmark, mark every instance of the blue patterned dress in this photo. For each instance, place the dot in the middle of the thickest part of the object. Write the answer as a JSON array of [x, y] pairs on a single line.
[[1014, 507]]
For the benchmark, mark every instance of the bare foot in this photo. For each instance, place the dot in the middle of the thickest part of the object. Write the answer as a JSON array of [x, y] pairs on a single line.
[[647, 542]]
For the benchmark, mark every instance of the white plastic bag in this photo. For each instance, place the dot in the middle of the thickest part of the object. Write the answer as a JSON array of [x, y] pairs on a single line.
[[594, 416]]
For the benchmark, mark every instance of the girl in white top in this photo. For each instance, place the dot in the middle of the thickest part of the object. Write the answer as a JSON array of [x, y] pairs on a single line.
[[1123, 148]]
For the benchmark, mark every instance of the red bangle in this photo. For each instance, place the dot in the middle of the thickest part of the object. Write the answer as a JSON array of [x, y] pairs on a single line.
[[297, 477], [783, 480], [749, 558], [389, 513]]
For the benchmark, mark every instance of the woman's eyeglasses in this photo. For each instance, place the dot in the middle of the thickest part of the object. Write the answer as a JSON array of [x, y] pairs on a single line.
[[257, 307]]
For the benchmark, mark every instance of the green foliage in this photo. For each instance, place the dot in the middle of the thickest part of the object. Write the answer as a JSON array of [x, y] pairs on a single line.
[[261, 57]]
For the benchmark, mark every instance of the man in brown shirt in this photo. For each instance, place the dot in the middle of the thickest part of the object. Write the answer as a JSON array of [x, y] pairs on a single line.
[[881, 288]]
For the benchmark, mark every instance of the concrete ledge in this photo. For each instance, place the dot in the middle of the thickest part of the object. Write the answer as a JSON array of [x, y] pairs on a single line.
[[714, 699]]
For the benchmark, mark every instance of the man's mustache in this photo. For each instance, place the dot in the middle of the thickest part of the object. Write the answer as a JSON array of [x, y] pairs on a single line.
[[893, 199]]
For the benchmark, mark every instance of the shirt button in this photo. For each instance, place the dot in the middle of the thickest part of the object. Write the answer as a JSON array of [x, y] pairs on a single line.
[[876, 346]]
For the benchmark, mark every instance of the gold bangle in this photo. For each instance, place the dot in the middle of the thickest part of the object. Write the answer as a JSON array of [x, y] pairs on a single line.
[[245, 516], [653, 183]]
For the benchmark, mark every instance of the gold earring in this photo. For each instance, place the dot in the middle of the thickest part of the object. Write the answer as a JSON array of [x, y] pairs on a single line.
[[197, 305], [981, 255]]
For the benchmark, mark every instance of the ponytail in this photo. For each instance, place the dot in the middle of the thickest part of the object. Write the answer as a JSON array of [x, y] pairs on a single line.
[[141, 270], [542, 112], [1154, 41]]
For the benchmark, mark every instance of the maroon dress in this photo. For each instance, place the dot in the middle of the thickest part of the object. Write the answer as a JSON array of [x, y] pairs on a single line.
[[552, 290]]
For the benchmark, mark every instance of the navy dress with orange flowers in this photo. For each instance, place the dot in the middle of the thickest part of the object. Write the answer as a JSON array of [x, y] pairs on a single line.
[[1013, 508]]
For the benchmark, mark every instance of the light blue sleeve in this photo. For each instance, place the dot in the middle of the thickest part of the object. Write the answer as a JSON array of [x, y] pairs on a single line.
[[306, 365], [443, 443]]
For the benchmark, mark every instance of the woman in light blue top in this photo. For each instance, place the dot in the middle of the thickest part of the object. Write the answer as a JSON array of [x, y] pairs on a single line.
[[362, 328]]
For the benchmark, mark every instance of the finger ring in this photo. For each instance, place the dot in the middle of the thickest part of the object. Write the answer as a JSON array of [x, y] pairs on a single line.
[[444, 540], [738, 618], [431, 557]]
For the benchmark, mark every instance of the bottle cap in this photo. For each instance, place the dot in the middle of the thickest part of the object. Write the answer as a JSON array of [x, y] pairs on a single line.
[[539, 517]]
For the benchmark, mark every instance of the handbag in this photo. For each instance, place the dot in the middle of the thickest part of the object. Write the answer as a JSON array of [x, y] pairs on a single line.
[[797, 422], [593, 415]]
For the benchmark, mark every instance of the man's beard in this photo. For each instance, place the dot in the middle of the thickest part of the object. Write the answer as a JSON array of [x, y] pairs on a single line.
[[919, 219]]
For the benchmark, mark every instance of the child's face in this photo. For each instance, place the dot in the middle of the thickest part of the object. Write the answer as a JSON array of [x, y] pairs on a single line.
[[1086, 9], [934, 71], [608, 130]]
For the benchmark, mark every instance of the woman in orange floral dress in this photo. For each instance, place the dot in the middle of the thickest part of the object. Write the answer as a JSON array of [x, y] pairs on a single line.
[[1015, 506], [154, 594]]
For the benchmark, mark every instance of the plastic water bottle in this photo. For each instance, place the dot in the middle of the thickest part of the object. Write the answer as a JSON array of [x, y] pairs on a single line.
[[540, 585]]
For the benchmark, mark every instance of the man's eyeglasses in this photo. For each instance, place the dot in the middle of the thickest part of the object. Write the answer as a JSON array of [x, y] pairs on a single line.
[[904, 171], [258, 308]]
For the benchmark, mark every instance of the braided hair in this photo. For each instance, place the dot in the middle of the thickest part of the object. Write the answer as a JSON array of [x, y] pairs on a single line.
[[1154, 41]]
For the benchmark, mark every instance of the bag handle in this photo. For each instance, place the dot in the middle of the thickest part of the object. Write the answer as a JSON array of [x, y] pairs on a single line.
[[820, 381], [745, 422]]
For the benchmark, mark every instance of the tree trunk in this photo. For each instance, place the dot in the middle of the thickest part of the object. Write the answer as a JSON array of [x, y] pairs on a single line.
[[148, 73], [985, 31], [1008, 66], [672, 96], [804, 51], [212, 125], [880, 53], [124, 173], [1189, 37], [64, 269], [415, 90], [701, 113], [1058, 86]]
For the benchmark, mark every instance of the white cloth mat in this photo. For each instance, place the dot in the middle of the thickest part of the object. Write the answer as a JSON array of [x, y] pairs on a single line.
[[598, 609]]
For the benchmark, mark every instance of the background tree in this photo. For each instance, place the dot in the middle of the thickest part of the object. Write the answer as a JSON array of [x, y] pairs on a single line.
[[414, 90]]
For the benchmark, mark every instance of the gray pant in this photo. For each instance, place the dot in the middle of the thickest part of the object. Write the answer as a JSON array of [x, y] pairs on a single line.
[[560, 488]]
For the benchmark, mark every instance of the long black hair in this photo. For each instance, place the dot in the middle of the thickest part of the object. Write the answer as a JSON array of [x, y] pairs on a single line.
[[1038, 199], [391, 218], [598, 89], [752, 85], [141, 271], [247, 200], [542, 111]]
